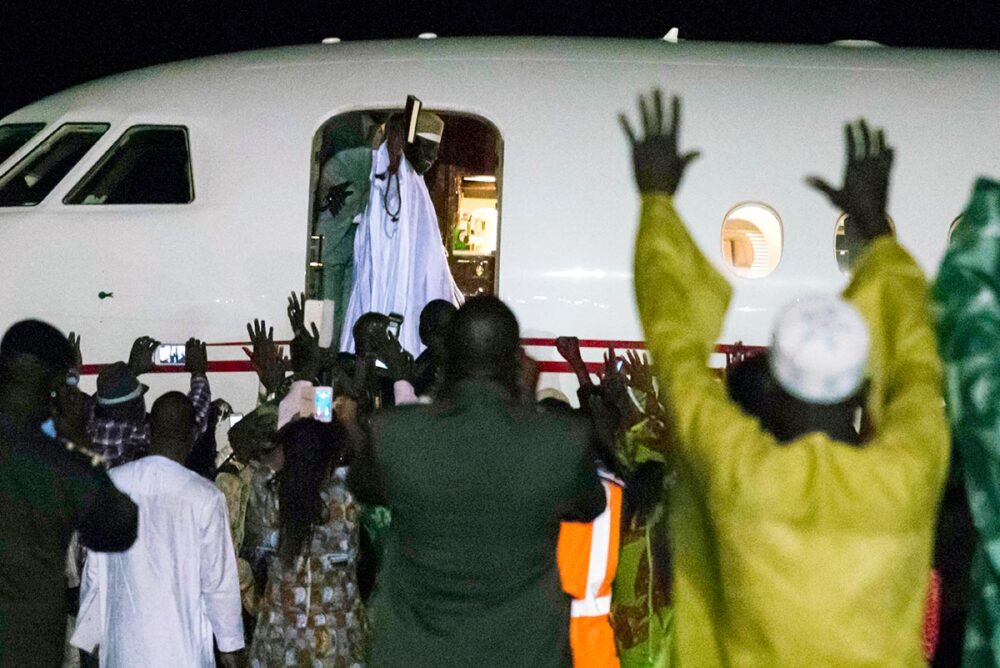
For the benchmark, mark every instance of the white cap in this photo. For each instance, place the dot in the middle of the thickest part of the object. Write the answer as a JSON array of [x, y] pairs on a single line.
[[819, 349], [551, 393]]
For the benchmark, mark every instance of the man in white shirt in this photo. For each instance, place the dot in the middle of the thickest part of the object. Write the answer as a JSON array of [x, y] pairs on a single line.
[[159, 603]]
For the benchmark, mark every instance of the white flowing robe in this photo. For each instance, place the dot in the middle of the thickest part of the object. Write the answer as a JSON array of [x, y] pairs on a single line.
[[398, 266], [158, 603]]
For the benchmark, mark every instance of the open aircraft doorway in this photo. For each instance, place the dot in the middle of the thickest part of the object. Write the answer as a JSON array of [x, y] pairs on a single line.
[[464, 184]]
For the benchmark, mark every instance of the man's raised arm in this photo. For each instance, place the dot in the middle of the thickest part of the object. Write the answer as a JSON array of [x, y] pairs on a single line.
[[682, 299]]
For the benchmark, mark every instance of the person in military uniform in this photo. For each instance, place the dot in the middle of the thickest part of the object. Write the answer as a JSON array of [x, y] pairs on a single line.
[[50, 486], [343, 186]]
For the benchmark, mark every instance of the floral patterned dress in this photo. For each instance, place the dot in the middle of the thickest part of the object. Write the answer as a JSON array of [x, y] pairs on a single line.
[[311, 615]]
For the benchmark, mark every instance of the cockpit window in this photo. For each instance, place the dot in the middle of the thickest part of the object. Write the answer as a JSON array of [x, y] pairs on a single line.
[[29, 181], [16, 135], [149, 164]]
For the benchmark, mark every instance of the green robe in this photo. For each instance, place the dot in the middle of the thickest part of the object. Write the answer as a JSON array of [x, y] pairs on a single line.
[[354, 166], [967, 293]]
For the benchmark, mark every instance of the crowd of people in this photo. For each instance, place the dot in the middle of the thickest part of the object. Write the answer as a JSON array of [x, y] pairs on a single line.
[[451, 512]]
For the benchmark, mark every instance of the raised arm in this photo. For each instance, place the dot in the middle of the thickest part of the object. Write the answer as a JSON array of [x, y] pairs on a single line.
[[682, 299], [196, 362]]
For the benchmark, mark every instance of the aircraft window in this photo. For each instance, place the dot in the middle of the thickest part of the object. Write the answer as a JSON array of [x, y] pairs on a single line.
[[464, 184], [16, 135], [147, 165], [29, 181], [842, 249], [752, 239]]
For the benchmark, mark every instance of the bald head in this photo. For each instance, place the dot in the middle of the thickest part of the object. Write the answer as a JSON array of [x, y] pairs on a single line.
[[173, 423], [484, 343]]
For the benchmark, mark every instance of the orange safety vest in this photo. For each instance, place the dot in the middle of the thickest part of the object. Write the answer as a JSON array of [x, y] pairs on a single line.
[[587, 555]]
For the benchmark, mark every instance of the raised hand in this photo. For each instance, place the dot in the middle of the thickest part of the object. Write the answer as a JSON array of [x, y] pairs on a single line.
[[611, 371], [268, 359], [296, 313], [74, 342], [639, 371], [569, 349], [659, 165], [865, 191], [195, 357], [223, 408], [305, 353], [140, 359], [397, 360], [336, 196]]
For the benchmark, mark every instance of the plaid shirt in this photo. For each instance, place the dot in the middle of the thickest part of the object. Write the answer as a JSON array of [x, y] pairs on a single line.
[[122, 441]]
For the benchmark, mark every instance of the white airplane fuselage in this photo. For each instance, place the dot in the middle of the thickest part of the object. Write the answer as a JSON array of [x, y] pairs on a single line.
[[764, 117]]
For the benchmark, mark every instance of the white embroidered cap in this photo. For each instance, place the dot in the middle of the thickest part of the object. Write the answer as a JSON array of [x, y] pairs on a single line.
[[819, 349]]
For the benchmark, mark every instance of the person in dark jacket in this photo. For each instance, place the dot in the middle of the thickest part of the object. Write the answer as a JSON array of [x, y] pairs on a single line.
[[50, 486], [477, 483]]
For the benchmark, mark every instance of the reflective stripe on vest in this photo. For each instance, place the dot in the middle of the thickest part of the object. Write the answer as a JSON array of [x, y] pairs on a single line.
[[593, 604], [591, 607]]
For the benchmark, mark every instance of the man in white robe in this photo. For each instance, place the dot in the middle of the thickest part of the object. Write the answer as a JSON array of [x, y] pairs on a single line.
[[400, 263], [159, 603]]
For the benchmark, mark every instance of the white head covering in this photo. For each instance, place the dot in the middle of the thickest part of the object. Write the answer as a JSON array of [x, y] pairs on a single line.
[[297, 403], [819, 349], [551, 393]]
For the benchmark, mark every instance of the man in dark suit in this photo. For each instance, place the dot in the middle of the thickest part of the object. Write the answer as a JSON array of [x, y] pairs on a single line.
[[477, 483]]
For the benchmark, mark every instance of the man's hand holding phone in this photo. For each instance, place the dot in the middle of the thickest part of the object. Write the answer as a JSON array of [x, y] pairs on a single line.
[[140, 359]]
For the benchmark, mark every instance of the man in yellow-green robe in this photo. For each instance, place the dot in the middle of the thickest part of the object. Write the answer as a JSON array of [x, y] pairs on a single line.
[[811, 551]]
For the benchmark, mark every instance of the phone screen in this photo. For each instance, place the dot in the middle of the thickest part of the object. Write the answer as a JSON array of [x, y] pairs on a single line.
[[323, 404], [395, 321], [170, 353]]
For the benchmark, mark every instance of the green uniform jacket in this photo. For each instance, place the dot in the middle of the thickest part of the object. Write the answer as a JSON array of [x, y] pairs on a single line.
[[967, 293], [476, 494], [812, 553]]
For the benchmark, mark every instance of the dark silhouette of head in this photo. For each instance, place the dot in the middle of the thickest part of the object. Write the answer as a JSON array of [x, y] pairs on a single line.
[[434, 321], [35, 359], [254, 434], [312, 450], [370, 333], [484, 343], [173, 425]]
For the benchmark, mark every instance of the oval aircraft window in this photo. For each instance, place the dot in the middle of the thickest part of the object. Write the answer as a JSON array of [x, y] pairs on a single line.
[[752, 239], [842, 249]]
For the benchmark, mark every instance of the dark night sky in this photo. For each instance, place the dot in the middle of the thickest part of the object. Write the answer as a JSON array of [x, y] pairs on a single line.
[[47, 45]]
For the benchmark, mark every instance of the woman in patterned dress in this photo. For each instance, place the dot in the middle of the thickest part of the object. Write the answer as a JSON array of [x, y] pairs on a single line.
[[311, 615]]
